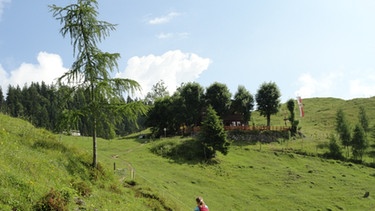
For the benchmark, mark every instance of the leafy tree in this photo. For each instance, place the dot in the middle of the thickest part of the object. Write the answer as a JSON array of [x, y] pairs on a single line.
[[243, 103], [212, 135], [159, 90], [218, 96], [343, 129], [192, 96], [359, 142], [162, 115], [92, 67], [268, 100], [363, 119], [290, 105]]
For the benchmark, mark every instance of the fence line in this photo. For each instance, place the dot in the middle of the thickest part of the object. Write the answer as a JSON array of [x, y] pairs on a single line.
[[253, 128]]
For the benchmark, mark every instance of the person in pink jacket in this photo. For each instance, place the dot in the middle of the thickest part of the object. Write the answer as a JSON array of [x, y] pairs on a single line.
[[201, 206]]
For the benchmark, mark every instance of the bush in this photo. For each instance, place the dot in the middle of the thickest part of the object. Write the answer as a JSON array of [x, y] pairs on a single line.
[[186, 150], [53, 200], [334, 149], [82, 188]]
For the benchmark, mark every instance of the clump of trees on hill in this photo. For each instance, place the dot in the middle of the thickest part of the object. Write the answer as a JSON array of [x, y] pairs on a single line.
[[47, 106], [353, 140]]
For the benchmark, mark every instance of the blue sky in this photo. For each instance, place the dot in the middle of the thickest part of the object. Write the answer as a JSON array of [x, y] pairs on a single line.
[[310, 48]]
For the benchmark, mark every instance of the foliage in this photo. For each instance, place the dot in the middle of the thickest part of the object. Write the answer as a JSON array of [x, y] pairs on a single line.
[[363, 119], [218, 96], [163, 114], [212, 135], [53, 200], [186, 150], [159, 90], [243, 103], [294, 123], [359, 142], [343, 129], [192, 103], [92, 67], [268, 100], [334, 149]]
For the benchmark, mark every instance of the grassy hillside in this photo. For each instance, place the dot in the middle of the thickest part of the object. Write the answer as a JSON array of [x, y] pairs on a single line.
[[320, 114], [280, 176], [36, 168], [249, 178]]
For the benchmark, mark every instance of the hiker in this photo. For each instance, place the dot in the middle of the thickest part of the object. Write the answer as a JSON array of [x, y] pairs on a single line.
[[201, 206]]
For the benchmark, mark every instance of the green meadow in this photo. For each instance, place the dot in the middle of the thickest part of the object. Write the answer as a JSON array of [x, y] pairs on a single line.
[[153, 174]]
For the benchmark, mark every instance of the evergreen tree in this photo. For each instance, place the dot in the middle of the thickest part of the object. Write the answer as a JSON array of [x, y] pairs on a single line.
[[212, 135], [2, 101], [343, 129], [294, 123], [92, 68], [334, 149], [359, 142], [363, 119], [14, 102]]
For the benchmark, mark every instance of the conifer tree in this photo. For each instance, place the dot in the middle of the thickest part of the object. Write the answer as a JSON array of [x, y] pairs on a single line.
[[92, 68], [359, 142], [212, 135], [343, 129]]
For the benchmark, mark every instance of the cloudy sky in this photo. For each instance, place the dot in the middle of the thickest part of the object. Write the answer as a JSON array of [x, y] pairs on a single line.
[[310, 48]]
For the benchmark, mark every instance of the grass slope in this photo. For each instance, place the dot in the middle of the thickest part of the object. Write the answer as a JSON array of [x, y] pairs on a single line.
[[277, 176], [248, 178], [35, 163]]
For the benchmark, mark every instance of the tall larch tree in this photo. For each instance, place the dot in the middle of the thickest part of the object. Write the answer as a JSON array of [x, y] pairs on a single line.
[[92, 67]]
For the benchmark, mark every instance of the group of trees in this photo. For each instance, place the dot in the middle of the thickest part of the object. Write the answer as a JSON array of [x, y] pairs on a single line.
[[187, 106], [56, 109], [355, 139], [60, 108]]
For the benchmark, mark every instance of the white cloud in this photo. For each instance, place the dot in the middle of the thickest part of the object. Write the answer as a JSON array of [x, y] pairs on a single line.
[[181, 35], [363, 84], [2, 5], [163, 19], [48, 69], [173, 67], [164, 35], [339, 84]]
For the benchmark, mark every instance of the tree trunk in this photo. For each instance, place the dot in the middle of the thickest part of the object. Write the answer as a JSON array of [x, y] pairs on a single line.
[[268, 120], [94, 145]]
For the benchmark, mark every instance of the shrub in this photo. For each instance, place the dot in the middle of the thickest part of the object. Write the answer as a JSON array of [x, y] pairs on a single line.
[[334, 149], [53, 200], [82, 188]]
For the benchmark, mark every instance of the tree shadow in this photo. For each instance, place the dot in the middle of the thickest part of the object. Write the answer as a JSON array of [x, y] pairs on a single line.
[[188, 151]]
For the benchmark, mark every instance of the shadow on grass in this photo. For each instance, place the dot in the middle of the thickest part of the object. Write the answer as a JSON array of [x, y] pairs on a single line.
[[180, 151]]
